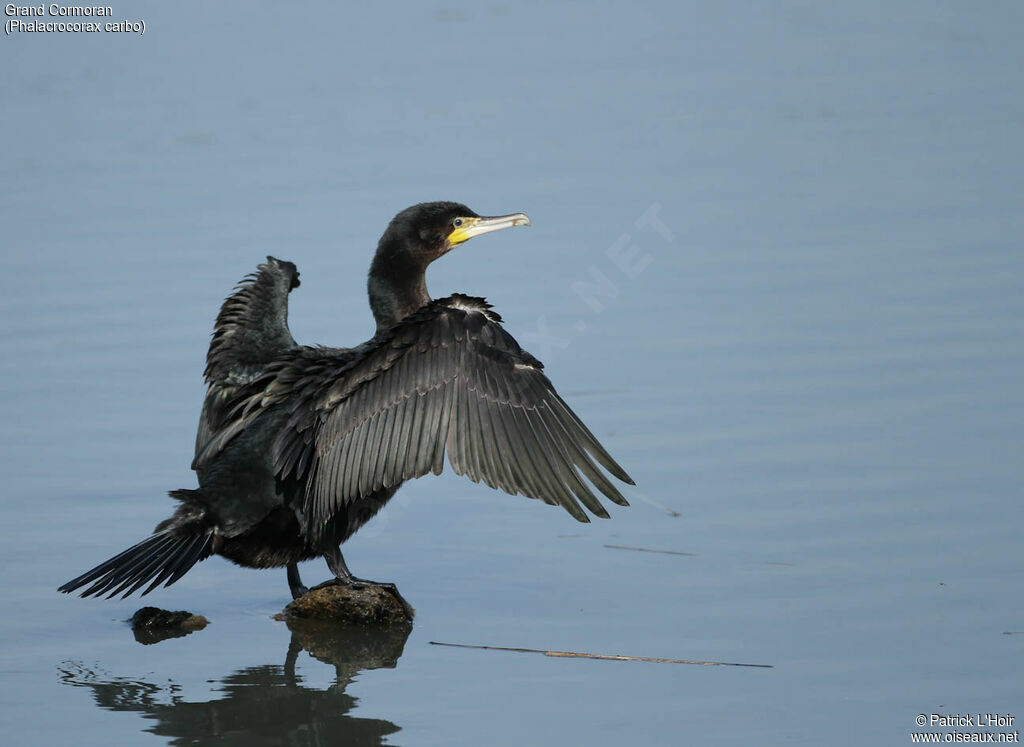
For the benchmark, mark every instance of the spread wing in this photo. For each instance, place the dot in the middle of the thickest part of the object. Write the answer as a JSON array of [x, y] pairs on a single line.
[[448, 379], [251, 331]]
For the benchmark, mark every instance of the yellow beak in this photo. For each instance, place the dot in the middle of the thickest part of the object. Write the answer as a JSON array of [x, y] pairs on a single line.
[[478, 226]]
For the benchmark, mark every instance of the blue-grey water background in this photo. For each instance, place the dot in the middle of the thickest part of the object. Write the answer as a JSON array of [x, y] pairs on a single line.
[[805, 223]]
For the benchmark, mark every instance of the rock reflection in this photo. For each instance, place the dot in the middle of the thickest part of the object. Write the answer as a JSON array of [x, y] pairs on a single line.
[[266, 704]]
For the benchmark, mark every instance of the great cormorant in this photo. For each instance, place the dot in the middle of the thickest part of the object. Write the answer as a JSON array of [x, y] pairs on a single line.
[[299, 446]]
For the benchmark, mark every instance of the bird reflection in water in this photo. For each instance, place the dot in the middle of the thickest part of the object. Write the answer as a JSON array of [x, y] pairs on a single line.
[[266, 704]]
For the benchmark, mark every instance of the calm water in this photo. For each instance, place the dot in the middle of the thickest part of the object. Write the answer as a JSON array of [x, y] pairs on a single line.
[[775, 263]]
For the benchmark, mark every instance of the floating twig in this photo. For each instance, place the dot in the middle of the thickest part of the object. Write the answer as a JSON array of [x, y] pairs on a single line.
[[647, 549], [610, 657], [687, 554], [661, 506]]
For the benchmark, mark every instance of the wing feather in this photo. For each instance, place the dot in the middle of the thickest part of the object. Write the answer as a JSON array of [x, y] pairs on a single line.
[[251, 330], [438, 433]]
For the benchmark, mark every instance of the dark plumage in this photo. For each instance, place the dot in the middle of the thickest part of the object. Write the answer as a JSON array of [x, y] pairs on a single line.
[[300, 446]]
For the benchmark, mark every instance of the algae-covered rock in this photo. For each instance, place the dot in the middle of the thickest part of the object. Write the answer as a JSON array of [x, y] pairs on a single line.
[[152, 624], [355, 604]]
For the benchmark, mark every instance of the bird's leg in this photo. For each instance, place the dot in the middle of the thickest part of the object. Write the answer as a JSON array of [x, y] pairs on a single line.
[[295, 582], [336, 562], [343, 577]]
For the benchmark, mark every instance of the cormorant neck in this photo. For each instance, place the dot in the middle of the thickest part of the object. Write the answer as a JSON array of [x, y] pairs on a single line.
[[397, 286]]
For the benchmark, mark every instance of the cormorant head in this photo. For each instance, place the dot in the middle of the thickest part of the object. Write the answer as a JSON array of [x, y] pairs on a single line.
[[432, 229], [416, 237]]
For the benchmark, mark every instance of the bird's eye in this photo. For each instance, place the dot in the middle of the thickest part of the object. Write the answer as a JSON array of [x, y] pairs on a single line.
[[457, 222]]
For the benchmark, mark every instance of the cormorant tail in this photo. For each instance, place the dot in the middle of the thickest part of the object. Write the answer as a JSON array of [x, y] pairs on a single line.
[[164, 557]]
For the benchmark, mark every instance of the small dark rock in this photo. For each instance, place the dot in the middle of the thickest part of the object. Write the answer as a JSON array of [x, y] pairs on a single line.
[[352, 605], [152, 624]]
